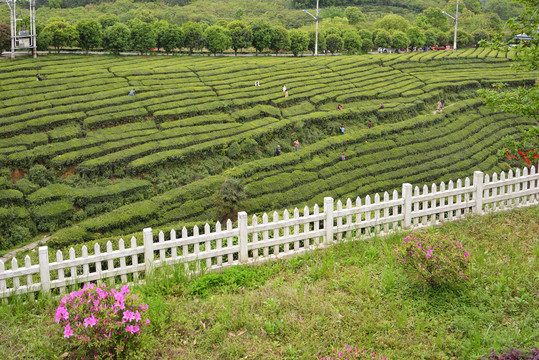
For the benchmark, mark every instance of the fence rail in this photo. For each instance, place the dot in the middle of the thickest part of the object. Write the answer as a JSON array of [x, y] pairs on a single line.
[[264, 239]]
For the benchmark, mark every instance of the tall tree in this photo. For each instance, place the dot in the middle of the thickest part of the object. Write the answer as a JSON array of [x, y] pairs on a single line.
[[5, 38], [279, 39], [217, 39], [261, 35], [299, 41], [107, 20], [334, 43], [354, 15], [143, 37], [416, 36], [382, 39], [351, 40], [59, 34], [240, 34], [172, 38], [116, 38], [400, 40], [193, 35], [393, 22], [89, 34]]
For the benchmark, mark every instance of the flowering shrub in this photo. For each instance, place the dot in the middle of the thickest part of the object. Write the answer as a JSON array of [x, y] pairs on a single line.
[[513, 354], [102, 323], [349, 353], [433, 259]]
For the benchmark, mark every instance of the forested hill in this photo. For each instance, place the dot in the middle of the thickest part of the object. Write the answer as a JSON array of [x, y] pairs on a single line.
[[410, 4]]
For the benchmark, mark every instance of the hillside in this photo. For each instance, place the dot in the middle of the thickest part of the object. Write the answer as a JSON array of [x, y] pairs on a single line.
[[82, 159]]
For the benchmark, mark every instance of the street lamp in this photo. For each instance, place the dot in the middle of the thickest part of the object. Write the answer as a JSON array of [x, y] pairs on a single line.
[[316, 34], [456, 18]]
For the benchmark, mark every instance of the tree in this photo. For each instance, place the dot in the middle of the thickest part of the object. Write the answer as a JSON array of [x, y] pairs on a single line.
[[416, 36], [506, 9], [400, 40], [431, 38], [240, 34], [474, 6], [442, 37], [312, 41], [107, 20], [160, 28], [334, 43], [5, 38], [479, 35], [171, 39], [392, 22], [365, 34], [116, 38], [59, 34], [89, 34], [383, 39], [299, 41], [522, 101], [463, 39], [354, 15], [55, 4], [261, 35], [366, 45], [143, 37], [351, 40], [193, 35], [280, 40], [229, 199], [217, 39], [436, 19]]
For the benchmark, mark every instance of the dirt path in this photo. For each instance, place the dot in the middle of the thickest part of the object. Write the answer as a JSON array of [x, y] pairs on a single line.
[[30, 246]]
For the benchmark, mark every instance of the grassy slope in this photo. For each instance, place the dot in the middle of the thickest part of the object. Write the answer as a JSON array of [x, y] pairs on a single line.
[[353, 293]]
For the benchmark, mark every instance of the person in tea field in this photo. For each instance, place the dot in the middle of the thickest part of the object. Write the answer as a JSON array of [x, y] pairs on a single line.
[[443, 102], [343, 157], [257, 83], [296, 144], [278, 150], [284, 88], [339, 107], [381, 106], [369, 124], [341, 129], [132, 92], [440, 106], [286, 94], [39, 78]]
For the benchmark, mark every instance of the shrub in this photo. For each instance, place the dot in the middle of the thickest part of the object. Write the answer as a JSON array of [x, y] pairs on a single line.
[[40, 175], [349, 353], [102, 323], [234, 150], [229, 198], [513, 354], [433, 259]]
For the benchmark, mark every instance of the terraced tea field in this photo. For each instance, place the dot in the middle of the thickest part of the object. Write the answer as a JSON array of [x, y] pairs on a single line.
[[114, 164]]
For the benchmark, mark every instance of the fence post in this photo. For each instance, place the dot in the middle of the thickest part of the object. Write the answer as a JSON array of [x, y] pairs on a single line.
[[243, 237], [407, 207], [147, 236], [478, 181], [44, 273], [328, 223]]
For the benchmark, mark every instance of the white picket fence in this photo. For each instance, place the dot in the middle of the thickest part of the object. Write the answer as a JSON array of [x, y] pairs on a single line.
[[264, 239]]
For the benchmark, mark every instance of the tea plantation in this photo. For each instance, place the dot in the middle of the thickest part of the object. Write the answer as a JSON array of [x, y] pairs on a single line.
[[82, 160]]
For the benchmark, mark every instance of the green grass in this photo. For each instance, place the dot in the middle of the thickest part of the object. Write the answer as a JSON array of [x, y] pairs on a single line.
[[351, 294]]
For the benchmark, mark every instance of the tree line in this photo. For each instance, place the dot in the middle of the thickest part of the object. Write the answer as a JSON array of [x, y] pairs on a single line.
[[146, 34]]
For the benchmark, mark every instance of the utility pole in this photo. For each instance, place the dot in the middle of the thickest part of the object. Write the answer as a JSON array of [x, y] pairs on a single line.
[[456, 18], [24, 38], [316, 33]]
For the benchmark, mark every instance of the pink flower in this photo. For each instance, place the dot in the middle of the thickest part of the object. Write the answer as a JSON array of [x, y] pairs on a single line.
[[137, 316], [91, 321], [132, 329], [128, 316], [61, 313], [68, 331], [147, 321]]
